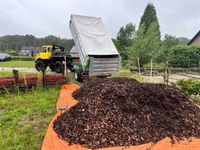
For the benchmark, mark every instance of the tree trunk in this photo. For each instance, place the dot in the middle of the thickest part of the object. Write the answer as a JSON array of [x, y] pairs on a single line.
[[138, 60], [129, 63], [151, 72]]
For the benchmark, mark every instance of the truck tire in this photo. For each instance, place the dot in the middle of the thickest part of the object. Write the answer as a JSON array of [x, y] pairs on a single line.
[[78, 76], [40, 65], [71, 69], [58, 67]]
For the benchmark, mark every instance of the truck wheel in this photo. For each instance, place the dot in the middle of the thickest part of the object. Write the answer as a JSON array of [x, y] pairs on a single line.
[[40, 65], [78, 76], [71, 69], [58, 67]]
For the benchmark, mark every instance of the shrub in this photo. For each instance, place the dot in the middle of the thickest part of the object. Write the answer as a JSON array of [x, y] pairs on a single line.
[[189, 86], [184, 56], [26, 58]]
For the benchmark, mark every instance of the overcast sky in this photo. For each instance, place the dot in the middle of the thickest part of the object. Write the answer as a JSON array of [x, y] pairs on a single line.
[[50, 17]]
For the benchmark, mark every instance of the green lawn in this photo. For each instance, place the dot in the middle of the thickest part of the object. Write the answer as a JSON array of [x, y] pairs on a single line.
[[21, 73], [24, 118], [17, 64], [5, 73]]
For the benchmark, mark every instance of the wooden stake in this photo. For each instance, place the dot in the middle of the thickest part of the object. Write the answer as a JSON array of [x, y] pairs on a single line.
[[16, 75], [151, 72], [138, 60], [43, 80]]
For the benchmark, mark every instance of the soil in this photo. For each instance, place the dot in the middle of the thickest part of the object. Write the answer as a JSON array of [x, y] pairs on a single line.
[[123, 112]]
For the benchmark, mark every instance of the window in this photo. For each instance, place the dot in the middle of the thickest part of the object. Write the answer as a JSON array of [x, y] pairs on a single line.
[[43, 49]]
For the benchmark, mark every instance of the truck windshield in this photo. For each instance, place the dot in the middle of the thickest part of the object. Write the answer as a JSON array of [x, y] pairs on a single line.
[[43, 50]]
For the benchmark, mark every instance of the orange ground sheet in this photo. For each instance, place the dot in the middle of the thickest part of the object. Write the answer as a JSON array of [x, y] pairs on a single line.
[[52, 142]]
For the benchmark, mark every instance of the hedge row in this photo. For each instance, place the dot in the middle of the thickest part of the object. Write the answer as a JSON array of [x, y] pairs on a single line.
[[184, 56], [26, 58]]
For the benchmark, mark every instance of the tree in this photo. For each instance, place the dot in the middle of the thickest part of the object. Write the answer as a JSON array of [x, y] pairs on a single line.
[[148, 18], [183, 41], [168, 42], [137, 48], [124, 40], [15, 42], [152, 43], [11, 52], [146, 43]]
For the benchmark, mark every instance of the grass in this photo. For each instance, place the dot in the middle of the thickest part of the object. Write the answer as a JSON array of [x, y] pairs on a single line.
[[21, 73], [127, 73], [5, 73], [17, 64], [196, 99], [24, 118]]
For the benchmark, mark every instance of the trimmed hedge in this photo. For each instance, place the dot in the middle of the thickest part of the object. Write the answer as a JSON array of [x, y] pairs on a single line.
[[184, 56], [26, 58], [185, 70]]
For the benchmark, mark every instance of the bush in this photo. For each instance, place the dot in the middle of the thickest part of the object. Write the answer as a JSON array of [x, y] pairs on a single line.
[[189, 86], [155, 66], [184, 56], [185, 70], [11, 52]]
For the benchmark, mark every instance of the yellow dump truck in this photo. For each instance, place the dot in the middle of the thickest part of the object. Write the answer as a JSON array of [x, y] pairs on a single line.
[[54, 57]]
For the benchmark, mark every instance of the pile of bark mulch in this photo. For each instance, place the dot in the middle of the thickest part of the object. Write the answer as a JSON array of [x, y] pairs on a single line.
[[123, 112]]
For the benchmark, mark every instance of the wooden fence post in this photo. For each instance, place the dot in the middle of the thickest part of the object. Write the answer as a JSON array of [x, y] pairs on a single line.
[[16, 75], [43, 80], [166, 74]]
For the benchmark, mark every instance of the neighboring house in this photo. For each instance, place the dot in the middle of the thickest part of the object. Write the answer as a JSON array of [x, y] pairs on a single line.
[[28, 51], [195, 40]]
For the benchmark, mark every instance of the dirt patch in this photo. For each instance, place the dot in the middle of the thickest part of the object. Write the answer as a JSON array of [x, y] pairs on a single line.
[[123, 112]]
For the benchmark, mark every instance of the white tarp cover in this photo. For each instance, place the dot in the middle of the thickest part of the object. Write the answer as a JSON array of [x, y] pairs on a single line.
[[92, 36]]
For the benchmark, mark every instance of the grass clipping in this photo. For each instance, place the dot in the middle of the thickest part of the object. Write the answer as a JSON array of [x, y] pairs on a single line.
[[124, 112]]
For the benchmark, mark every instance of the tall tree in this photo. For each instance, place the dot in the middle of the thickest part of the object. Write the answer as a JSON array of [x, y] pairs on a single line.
[[148, 17], [147, 40], [152, 41], [169, 42], [124, 39]]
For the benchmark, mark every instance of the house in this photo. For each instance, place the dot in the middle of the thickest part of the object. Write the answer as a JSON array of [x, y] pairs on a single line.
[[28, 51], [195, 40]]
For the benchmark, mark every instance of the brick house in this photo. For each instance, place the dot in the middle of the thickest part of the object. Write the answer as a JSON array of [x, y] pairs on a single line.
[[195, 40]]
